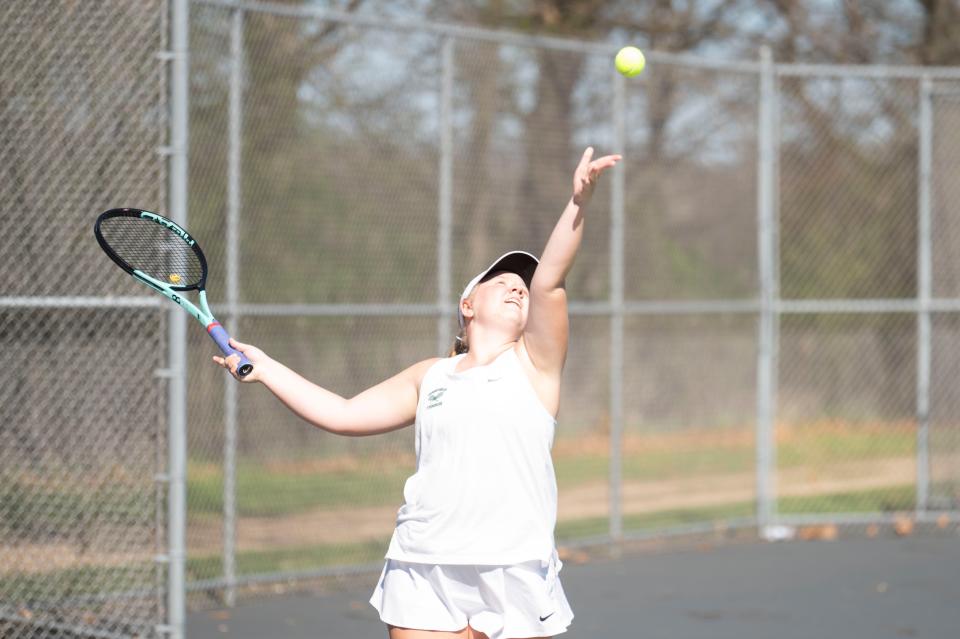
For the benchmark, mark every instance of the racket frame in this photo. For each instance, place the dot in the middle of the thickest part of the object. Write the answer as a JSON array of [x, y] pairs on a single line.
[[202, 313]]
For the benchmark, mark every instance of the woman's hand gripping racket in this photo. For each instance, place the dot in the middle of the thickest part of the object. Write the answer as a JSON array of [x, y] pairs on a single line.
[[163, 256]]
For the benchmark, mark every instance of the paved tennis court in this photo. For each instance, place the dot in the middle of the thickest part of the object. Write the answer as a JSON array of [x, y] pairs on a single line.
[[850, 589]]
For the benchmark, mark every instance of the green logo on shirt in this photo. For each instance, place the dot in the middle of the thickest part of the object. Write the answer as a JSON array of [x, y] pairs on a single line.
[[433, 397]]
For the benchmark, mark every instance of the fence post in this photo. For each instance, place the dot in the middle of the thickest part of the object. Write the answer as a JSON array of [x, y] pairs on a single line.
[[234, 169], [445, 197], [924, 291], [616, 309], [769, 324], [177, 504]]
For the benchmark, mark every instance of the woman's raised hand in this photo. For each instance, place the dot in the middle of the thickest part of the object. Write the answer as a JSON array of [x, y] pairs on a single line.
[[588, 172]]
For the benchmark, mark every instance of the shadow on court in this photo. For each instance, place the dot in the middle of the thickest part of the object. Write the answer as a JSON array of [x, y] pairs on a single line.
[[854, 589]]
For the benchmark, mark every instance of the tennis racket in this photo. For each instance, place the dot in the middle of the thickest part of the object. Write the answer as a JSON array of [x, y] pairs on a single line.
[[162, 255]]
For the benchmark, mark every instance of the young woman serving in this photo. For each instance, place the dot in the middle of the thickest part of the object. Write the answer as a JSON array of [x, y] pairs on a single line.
[[473, 553]]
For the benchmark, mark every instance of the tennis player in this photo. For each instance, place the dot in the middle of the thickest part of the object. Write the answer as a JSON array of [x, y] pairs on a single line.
[[473, 554]]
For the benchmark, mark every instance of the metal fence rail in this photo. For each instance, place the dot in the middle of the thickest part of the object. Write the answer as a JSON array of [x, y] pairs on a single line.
[[764, 310]]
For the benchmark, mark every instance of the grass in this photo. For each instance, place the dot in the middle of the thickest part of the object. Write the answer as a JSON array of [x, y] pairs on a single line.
[[896, 498], [291, 559], [264, 491], [74, 582], [899, 498], [596, 526], [90, 580], [819, 445], [290, 487], [650, 466], [28, 508]]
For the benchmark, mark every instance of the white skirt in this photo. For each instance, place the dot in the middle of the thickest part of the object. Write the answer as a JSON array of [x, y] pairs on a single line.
[[521, 600]]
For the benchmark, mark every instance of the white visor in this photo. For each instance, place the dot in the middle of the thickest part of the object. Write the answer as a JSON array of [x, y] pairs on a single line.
[[520, 262]]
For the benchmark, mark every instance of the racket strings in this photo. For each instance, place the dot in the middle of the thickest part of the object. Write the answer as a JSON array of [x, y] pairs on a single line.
[[153, 249]]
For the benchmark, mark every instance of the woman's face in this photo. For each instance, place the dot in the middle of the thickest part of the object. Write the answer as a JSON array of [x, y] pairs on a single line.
[[502, 299]]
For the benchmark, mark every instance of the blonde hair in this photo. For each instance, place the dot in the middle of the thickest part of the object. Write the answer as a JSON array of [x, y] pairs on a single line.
[[460, 344]]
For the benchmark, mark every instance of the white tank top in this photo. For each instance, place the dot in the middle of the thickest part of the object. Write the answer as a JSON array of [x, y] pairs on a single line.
[[484, 491]]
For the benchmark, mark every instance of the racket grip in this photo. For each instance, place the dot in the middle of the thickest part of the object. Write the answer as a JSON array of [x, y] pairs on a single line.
[[222, 338]]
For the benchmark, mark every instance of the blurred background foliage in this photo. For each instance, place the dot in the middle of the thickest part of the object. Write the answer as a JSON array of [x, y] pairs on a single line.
[[340, 156], [315, 90]]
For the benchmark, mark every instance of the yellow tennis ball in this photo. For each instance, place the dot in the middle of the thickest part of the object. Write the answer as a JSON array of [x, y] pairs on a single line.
[[630, 61], [174, 278]]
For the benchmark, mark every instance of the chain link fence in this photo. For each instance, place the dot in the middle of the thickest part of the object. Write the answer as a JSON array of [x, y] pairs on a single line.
[[944, 283], [376, 168], [763, 309], [82, 413]]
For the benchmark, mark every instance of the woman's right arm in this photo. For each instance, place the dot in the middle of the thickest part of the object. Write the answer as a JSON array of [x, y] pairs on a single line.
[[390, 405]]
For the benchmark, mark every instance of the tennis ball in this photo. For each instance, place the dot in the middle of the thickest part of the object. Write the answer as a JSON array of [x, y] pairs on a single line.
[[174, 278], [630, 61]]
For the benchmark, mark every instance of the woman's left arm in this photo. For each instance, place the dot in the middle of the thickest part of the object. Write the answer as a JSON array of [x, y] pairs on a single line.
[[546, 332]]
